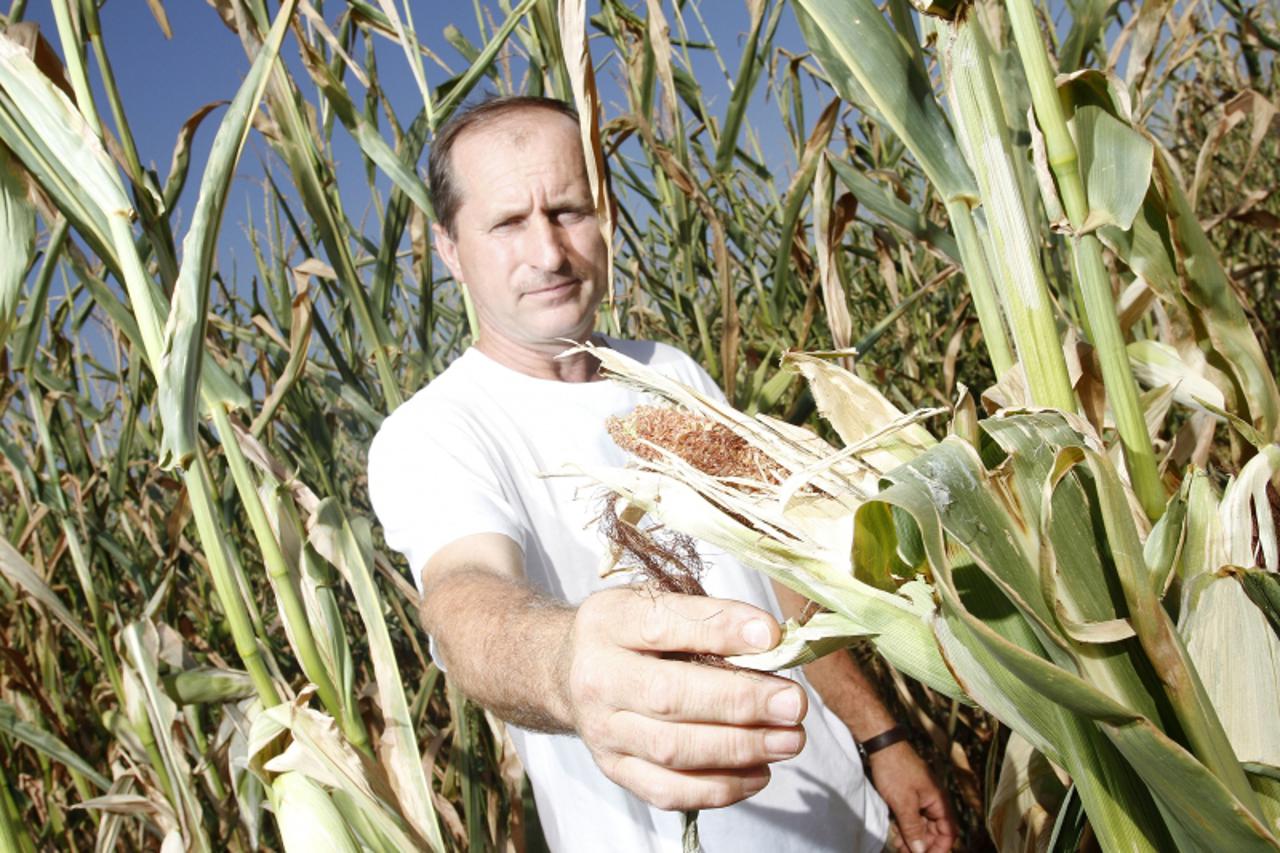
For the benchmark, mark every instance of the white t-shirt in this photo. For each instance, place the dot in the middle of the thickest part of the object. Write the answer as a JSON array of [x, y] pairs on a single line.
[[463, 456]]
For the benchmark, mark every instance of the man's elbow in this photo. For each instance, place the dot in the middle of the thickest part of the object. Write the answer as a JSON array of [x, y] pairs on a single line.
[[446, 592]]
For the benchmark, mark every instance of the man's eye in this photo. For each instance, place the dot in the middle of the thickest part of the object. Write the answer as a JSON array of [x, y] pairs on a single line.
[[506, 224]]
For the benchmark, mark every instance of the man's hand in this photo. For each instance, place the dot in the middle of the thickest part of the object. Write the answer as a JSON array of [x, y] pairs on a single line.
[[679, 735], [921, 810]]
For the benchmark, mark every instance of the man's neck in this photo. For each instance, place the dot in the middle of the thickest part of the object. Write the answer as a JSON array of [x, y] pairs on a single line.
[[543, 363]]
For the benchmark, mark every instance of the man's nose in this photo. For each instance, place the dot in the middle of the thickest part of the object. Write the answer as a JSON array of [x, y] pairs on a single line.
[[547, 248]]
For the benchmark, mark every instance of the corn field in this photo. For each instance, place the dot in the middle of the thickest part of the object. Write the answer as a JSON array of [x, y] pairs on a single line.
[[1063, 216]]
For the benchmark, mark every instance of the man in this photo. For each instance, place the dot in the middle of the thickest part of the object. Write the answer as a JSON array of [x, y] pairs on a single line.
[[508, 561]]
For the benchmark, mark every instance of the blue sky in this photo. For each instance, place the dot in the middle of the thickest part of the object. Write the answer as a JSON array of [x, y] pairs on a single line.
[[164, 81]]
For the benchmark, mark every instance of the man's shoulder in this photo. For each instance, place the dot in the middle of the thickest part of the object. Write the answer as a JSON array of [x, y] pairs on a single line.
[[669, 360], [652, 353], [436, 408], [660, 356]]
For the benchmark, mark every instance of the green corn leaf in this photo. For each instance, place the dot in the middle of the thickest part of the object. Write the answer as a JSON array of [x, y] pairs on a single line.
[[1197, 807], [447, 102], [1138, 741], [182, 349], [1170, 250], [1116, 163], [1012, 672], [317, 750], [45, 131], [141, 644], [339, 541], [366, 134], [803, 644], [17, 240], [1263, 589], [1088, 18], [48, 135], [854, 42], [882, 202], [1250, 537], [47, 743], [753, 59], [1171, 660], [984, 677], [20, 573], [1227, 624], [1134, 735]]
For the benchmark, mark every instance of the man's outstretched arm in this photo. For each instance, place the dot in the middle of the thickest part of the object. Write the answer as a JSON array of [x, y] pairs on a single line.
[[680, 735], [920, 807]]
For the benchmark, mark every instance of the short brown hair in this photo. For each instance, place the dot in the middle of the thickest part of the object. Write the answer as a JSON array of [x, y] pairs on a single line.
[[441, 182]]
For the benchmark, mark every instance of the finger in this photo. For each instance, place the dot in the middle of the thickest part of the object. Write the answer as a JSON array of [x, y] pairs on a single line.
[[914, 829], [667, 622], [943, 836], [936, 808], [700, 746], [893, 844], [682, 790], [679, 691], [939, 810], [941, 843]]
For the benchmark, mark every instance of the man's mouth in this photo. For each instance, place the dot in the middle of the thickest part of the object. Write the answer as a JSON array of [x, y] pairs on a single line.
[[552, 288]]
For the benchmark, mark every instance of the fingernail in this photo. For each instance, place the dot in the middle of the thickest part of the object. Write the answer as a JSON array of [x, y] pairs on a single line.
[[784, 705], [918, 846], [757, 634], [783, 742], [756, 784]]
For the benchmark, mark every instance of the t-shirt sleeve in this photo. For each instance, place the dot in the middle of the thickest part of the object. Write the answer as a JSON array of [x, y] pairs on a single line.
[[431, 483]]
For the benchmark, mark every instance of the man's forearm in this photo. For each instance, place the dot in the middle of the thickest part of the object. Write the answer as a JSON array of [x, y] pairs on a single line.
[[847, 691], [504, 645], [841, 683]]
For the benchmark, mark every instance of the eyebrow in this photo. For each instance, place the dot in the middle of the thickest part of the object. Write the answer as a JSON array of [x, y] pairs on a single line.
[[507, 213], [567, 201]]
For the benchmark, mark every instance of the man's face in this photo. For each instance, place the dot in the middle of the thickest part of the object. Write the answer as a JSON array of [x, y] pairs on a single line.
[[526, 240]]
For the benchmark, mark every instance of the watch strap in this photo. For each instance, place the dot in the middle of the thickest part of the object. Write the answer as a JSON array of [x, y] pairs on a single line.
[[885, 739]]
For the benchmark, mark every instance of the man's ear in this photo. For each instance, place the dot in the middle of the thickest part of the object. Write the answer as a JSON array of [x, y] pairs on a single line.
[[447, 250]]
